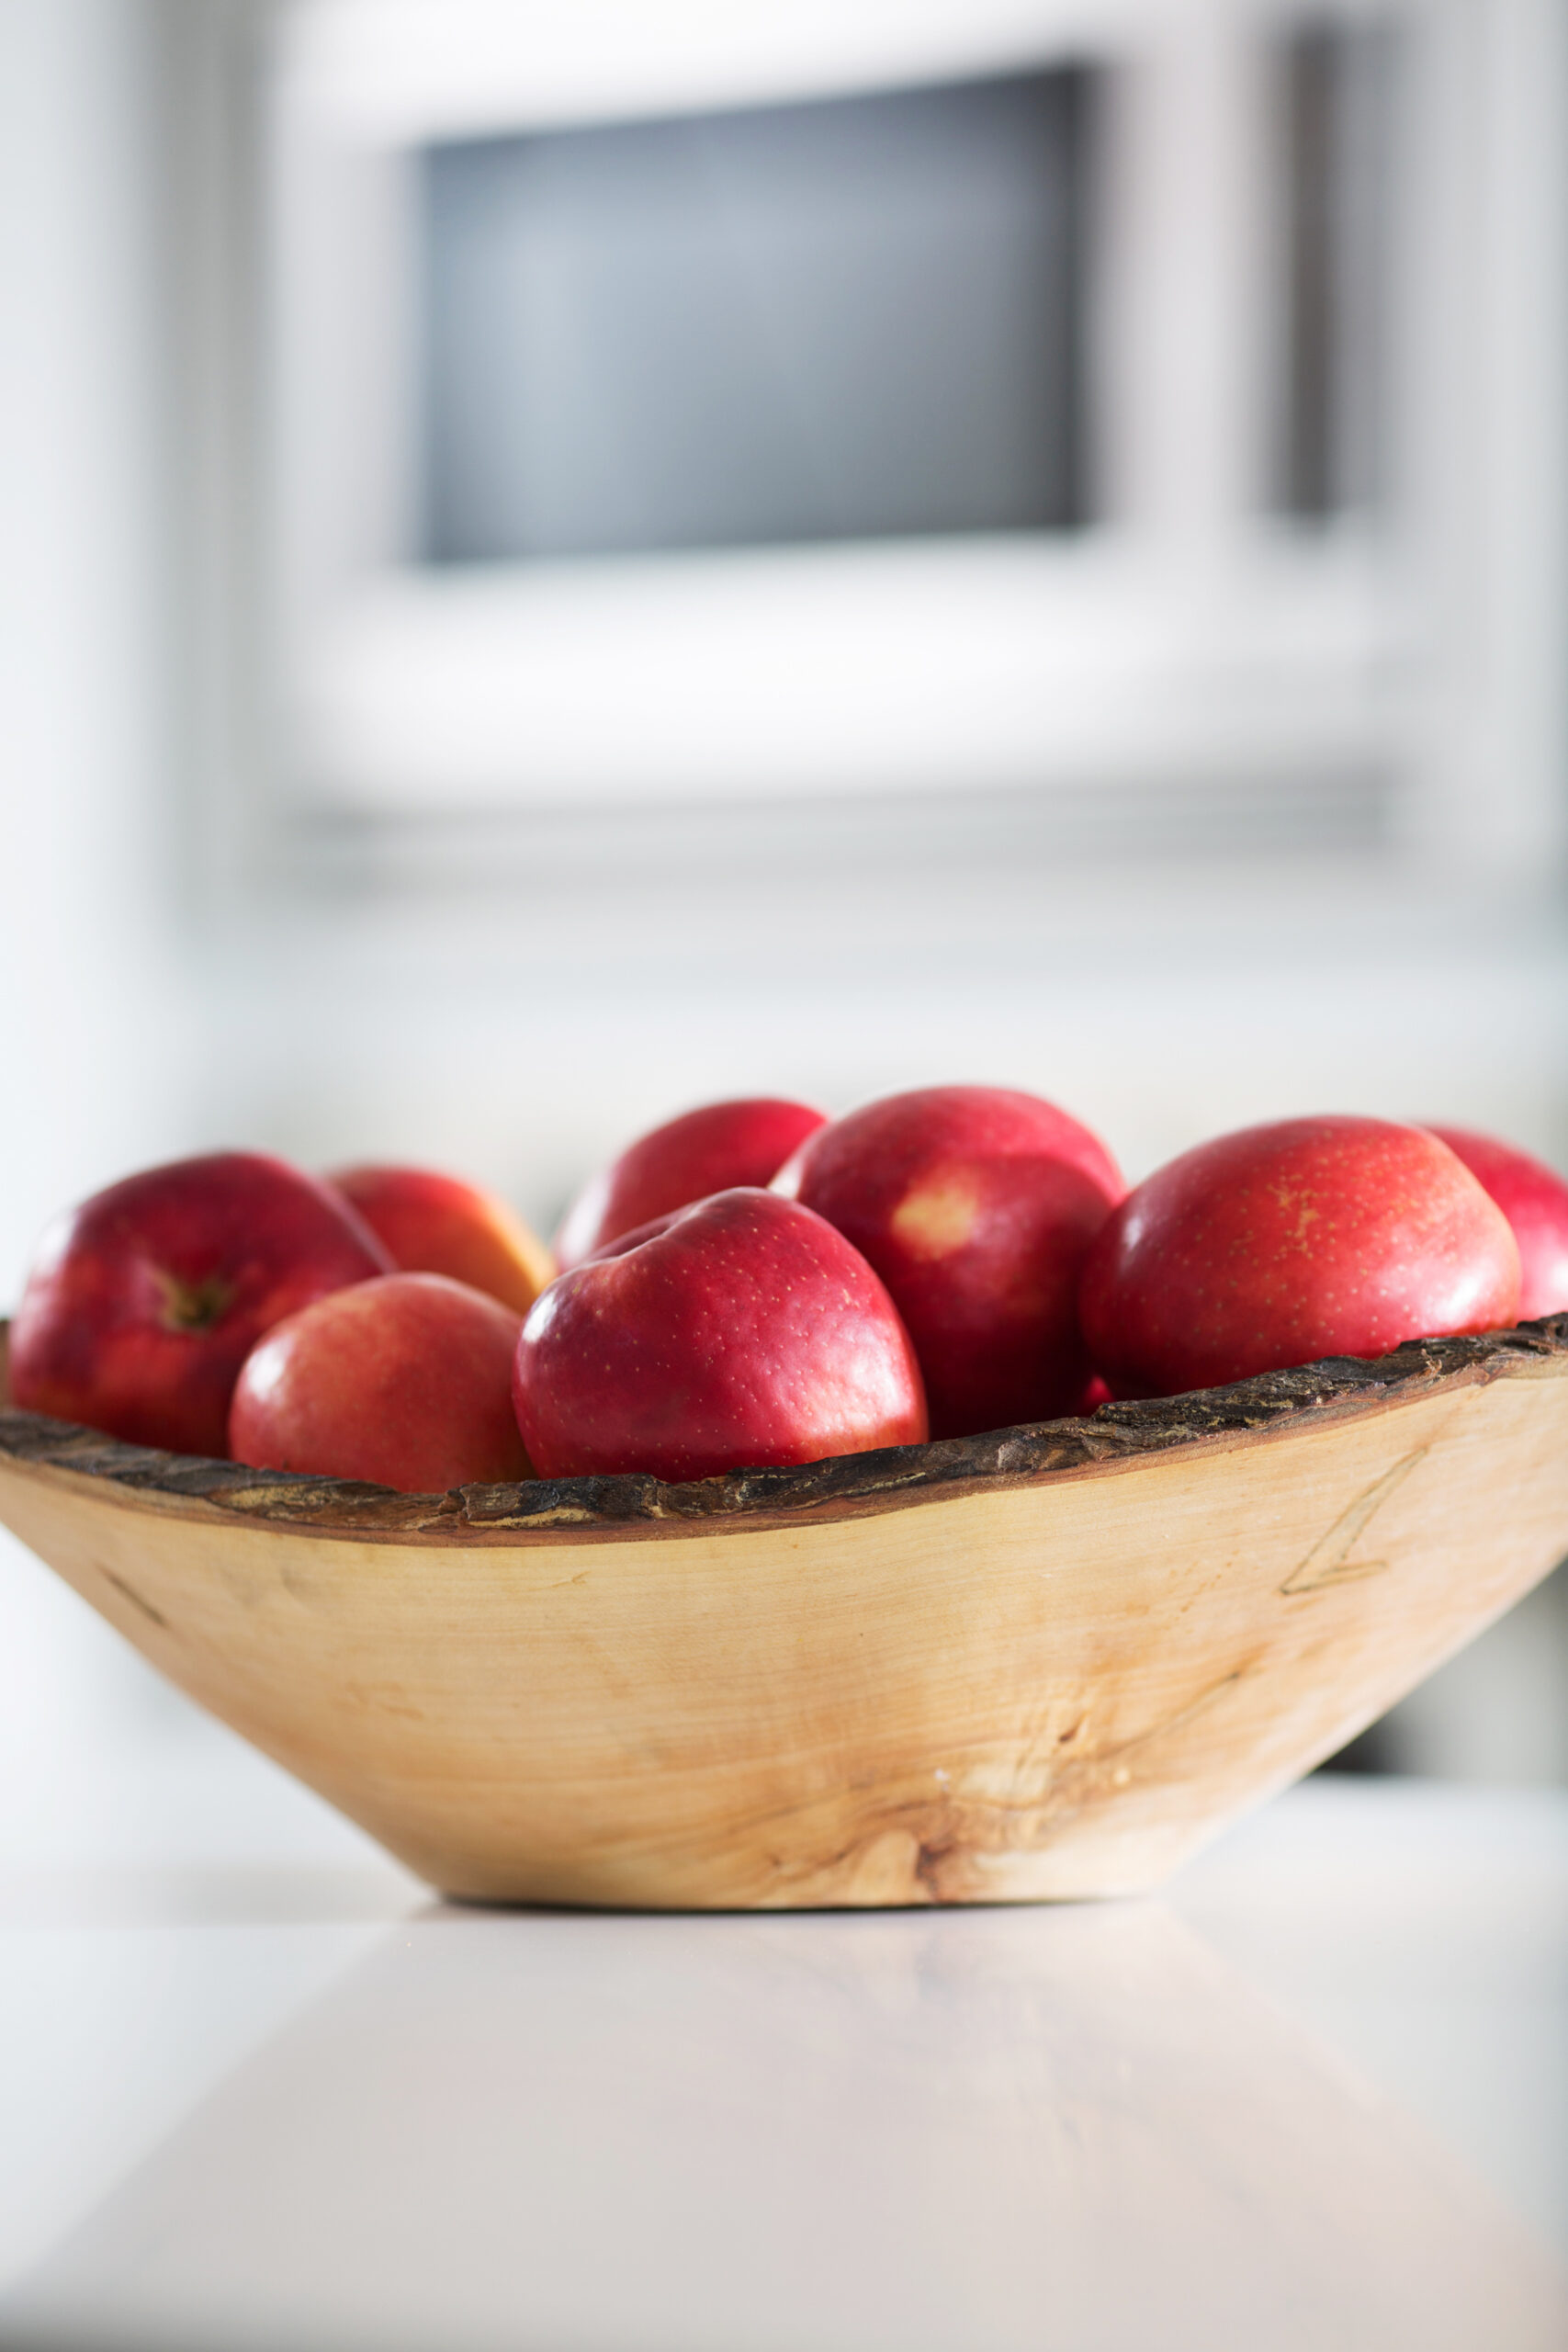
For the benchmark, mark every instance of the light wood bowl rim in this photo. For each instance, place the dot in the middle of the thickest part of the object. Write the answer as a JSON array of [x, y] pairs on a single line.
[[1118, 1438]]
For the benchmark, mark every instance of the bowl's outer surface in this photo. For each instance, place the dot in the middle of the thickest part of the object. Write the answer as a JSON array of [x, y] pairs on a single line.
[[1019, 1686]]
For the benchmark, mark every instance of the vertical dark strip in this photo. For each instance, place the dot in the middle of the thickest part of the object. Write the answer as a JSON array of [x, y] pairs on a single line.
[[1367, 171], [430, 340], [1082, 111], [1339, 133], [1312, 64]]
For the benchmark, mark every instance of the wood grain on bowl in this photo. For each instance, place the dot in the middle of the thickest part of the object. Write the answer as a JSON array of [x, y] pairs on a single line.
[[1046, 1662]]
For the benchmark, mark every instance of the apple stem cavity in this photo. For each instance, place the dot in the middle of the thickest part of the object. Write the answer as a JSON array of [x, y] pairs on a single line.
[[192, 1307]]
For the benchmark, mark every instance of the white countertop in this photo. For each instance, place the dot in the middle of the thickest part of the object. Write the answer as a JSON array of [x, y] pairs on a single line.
[[257, 2090]]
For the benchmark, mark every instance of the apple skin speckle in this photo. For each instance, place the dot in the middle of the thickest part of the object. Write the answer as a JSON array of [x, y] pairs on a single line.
[[719, 1147], [1534, 1199], [976, 1205], [143, 1303], [1284, 1243], [739, 1332], [405, 1381]]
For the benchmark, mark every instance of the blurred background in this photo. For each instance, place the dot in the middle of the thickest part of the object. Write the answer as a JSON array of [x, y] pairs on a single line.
[[561, 561]]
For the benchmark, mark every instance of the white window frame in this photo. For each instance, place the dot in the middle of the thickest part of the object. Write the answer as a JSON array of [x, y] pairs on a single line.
[[1190, 639]]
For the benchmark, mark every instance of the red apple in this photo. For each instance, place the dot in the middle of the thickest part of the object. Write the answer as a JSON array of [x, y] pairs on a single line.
[[406, 1382], [976, 1206], [1534, 1199], [738, 1332], [432, 1224], [1310, 1237], [142, 1305], [710, 1150]]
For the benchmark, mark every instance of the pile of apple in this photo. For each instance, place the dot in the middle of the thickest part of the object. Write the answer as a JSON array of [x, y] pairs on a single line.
[[756, 1284]]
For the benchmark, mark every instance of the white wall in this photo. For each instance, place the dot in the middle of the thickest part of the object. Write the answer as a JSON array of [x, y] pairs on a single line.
[[98, 1022], [94, 1027]]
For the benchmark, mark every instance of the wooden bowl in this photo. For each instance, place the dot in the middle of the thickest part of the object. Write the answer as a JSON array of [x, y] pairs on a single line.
[[1047, 1662]]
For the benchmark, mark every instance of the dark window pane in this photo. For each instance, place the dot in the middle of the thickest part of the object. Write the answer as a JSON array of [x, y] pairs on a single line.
[[847, 319]]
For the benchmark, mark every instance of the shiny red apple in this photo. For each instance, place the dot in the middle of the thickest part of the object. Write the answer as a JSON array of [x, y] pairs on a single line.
[[1534, 1199], [976, 1205], [703, 1151], [405, 1381], [142, 1305], [1284, 1243], [434, 1223], [738, 1332]]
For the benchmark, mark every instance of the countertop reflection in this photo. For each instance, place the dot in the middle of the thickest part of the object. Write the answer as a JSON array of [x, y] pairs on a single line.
[[1092, 2126]]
